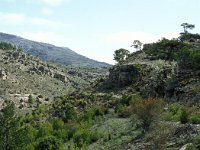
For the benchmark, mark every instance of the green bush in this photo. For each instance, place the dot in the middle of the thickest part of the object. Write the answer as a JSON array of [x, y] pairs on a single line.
[[191, 147], [189, 59], [195, 119], [45, 129], [49, 143], [165, 49], [184, 116], [95, 136], [175, 111], [189, 36], [7, 46], [130, 99], [93, 112], [82, 137], [174, 108], [30, 99]]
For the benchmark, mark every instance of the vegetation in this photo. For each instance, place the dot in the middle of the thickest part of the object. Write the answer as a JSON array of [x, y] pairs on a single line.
[[153, 102], [187, 26], [137, 45], [9, 46], [120, 55], [10, 129], [152, 107]]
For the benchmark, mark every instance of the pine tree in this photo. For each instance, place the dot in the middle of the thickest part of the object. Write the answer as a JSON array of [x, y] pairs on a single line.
[[9, 128]]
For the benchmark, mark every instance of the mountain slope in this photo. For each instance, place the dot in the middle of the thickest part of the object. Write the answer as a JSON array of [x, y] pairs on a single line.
[[50, 52], [22, 75]]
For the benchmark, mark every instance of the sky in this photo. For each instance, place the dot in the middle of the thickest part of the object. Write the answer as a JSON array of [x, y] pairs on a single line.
[[96, 28]]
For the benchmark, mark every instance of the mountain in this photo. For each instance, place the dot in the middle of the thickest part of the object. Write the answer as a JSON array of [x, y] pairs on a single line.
[[48, 52]]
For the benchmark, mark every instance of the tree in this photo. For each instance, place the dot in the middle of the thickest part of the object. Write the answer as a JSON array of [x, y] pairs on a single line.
[[137, 45], [120, 55], [187, 26], [9, 129]]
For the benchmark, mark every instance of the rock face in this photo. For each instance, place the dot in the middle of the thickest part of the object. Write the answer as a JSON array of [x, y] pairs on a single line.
[[188, 86], [124, 75], [163, 79]]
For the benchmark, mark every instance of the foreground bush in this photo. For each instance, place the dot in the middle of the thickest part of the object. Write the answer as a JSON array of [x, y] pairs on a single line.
[[147, 111]]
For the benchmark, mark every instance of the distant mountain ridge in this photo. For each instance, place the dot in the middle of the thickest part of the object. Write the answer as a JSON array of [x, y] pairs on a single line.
[[49, 52]]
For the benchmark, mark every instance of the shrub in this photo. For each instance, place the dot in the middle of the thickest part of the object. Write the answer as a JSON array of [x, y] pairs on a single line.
[[95, 135], [184, 116], [159, 134], [175, 111], [174, 108], [147, 111], [49, 143], [191, 147], [130, 99], [196, 139], [189, 59], [165, 49], [30, 99], [93, 112], [195, 119], [81, 137], [46, 129], [7, 46]]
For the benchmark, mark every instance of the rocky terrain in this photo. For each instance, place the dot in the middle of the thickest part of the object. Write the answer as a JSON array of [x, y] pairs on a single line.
[[22, 75]]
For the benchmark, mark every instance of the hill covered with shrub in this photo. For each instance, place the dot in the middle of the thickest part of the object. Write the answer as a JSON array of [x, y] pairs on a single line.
[[149, 100]]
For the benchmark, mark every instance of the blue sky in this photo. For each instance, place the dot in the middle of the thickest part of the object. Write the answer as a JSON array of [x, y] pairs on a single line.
[[95, 28]]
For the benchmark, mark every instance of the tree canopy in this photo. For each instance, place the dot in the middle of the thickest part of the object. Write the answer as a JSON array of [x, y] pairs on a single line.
[[137, 45], [187, 26], [120, 55]]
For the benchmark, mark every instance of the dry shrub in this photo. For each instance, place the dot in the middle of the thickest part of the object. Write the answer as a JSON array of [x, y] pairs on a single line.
[[147, 111]]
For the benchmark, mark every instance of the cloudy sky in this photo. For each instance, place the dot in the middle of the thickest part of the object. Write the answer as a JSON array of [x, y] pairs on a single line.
[[95, 28]]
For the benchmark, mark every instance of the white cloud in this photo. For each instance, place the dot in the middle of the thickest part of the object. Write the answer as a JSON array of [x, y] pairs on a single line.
[[11, 18], [144, 37], [52, 3], [46, 23], [46, 37], [47, 11], [9, 1]]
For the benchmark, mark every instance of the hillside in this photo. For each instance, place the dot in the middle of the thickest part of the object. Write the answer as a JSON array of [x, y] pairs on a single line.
[[48, 52], [149, 101], [22, 75]]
